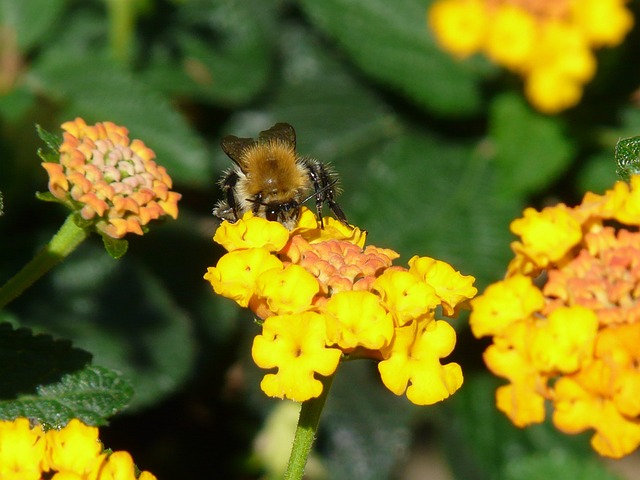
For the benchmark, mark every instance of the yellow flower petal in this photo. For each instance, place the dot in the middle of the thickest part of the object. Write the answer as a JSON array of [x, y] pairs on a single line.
[[236, 273], [252, 232], [521, 404], [287, 291], [451, 287], [357, 319], [119, 466], [512, 37], [565, 340], [504, 303], [405, 295], [412, 363], [75, 447], [295, 345], [22, 450], [605, 22], [548, 235], [459, 27]]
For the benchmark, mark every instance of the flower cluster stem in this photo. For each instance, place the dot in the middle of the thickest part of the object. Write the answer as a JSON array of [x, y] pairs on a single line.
[[65, 241], [121, 29], [306, 430]]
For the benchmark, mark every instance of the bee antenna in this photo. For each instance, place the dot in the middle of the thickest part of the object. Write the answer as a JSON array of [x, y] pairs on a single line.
[[322, 190]]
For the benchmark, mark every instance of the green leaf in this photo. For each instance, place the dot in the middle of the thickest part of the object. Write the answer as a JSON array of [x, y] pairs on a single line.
[[532, 150], [48, 156], [17, 103], [29, 360], [221, 42], [556, 464], [390, 41], [97, 90], [347, 121], [116, 247], [52, 154], [47, 197], [91, 395], [52, 141], [30, 19], [598, 172], [122, 314], [80, 221]]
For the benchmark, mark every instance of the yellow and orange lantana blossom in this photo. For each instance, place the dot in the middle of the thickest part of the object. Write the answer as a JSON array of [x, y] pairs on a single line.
[[322, 295], [112, 182], [72, 453], [549, 43], [565, 321]]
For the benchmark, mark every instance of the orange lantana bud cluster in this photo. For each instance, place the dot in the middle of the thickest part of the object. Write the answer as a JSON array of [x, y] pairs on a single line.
[[112, 182]]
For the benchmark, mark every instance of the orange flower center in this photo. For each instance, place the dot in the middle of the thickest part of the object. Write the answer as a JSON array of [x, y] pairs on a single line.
[[341, 265], [604, 276], [541, 9]]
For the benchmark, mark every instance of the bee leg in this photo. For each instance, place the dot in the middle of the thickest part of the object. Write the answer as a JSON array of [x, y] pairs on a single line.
[[323, 182], [337, 211], [227, 209], [320, 179]]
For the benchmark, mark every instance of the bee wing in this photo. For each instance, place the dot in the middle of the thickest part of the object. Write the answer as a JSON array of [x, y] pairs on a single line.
[[233, 147], [280, 131]]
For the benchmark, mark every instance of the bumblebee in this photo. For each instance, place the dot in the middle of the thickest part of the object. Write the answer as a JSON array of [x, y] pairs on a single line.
[[271, 180]]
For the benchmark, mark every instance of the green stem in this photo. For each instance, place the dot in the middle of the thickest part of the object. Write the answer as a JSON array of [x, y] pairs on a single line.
[[121, 28], [310, 412], [62, 244]]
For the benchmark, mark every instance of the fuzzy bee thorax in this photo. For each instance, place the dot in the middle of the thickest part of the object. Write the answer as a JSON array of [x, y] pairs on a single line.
[[271, 169]]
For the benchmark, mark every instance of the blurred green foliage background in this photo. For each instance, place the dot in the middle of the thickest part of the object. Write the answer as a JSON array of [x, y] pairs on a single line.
[[436, 158]]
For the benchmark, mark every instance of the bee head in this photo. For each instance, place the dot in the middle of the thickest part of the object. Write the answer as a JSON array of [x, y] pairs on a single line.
[[286, 213]]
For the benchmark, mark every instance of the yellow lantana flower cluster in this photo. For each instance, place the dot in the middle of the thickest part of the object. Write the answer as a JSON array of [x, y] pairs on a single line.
[[548, 42], [111, 181], [323, 296], [71, 453], [565, 321]]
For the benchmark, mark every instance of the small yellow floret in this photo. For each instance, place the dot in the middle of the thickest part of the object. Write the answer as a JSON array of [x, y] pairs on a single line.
[[22, 450], [295, 345], [565, 340], [236, 273], [287, 291], [357, 319], [251, 232], [76, 447], [604, 22], [504, 303], [459, 27], [412, 363], [512, 37], [451, 287], [546, 236], [405, 295]]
